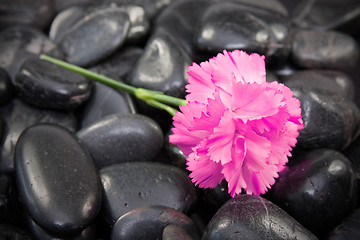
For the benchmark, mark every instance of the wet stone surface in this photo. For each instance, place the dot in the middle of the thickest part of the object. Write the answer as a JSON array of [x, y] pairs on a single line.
[[117, 139], [149, 223], [131, 185], [53, 167], [253, 217], [17, 116], [329, 50], [318, 188], [47, 85]]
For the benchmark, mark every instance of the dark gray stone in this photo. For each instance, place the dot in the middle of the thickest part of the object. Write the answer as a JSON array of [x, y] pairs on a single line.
[[19, 115], [103, 102], [119, 138], [324, 49], [6, 87], [65, 20], [271, 5], [329, 80], [95, 36], [131, 185], [253, 217], [57, 180], [9, 232], [47, 85], [230, 26], [162, 66], [120, 64], [37, 13], [318, 188], [328, 15], [347, 229], [174, 232], [149, 222], [40, 233], [330, 120], [179, 20], [17, 43]]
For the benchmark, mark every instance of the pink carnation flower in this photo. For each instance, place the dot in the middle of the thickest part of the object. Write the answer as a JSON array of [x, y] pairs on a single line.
[[236, 125]]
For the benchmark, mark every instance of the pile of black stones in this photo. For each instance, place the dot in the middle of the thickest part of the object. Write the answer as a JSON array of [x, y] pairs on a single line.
[[80, 160]]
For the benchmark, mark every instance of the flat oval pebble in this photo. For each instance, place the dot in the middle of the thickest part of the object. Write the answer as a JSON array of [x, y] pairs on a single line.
[[95, 36], [149, 223], [47, 85], [330, 120], [103, 102], [17, 116], [253, 217], [131, 185], [318, 188], [57, 180], [329, 80], [324, 49], [121, 138]]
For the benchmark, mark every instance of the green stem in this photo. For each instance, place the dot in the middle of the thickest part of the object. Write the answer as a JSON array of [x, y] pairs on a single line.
[[153, 98], [90, 74]]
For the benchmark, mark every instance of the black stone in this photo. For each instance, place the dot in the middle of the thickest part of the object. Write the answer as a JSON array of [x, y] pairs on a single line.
[[6, 87], [139, 22], [174, 232], [36, 13], [330, 120], [149, 222], [121, 138], [162, 66], [271, 5], [47, 85], [131, 185], [9, 232], [17, 43], [324, 49], [152, 8], [61, 5], [174, 155], [40, 233], [253, 217], [318, 188], [95, 36], [105, 101], [57, 180], [347, 229], [19, 115], [328, 15], [336, 82], [352, 152], [120, 64], [179, 20], [230, 26]]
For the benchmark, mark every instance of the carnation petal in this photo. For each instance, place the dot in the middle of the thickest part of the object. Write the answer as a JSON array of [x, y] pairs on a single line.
[[220, 141], [253, 101], [205, 173], [258, 149]]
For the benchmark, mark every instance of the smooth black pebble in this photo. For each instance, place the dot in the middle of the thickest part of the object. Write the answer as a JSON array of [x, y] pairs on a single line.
[[131, 185], [57, 180], [121, 138]]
